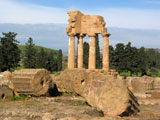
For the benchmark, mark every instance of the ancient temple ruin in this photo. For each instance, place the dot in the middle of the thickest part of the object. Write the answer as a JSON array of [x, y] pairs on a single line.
[[81, 25]]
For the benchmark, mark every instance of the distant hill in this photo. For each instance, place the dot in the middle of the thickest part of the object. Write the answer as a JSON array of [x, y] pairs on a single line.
[[38, 48]]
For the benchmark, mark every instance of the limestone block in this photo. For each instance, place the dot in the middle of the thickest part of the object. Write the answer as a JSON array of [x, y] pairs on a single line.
[[140, 84], [85, 24], [32, 81], [6, 86], [105, 92], [156, 83]]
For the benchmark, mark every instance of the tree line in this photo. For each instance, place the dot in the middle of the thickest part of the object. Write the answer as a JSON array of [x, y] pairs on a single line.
[[11, 56], [127, 60]]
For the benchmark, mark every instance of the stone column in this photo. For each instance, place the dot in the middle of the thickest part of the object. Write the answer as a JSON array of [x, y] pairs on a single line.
[[92, 53], [80, 51], [71, 52], [106, 52]]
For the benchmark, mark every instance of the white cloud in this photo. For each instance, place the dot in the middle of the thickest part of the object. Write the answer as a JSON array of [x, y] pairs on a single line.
[[13, 12], [131, 18]]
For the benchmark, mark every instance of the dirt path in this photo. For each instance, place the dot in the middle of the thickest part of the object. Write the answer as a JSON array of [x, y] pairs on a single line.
[[65, 108]]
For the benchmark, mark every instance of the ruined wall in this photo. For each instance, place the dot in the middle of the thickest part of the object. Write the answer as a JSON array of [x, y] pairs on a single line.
[[85, 24]]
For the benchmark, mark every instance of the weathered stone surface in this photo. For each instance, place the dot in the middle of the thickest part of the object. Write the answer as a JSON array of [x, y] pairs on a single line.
[[72, 80], [80, 51], [140, 84], [32, 81], [107, 93], [156, 83], [5, 92], [71, 52], [92, 53], [85, 24], [146, 89], [6, 86]]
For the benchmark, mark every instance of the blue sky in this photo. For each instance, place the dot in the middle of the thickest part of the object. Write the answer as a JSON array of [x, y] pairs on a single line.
[[141, 14], [86, 4], [137, 21]]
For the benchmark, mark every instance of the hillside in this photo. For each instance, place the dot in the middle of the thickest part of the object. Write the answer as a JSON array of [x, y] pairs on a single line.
[[38, 48]]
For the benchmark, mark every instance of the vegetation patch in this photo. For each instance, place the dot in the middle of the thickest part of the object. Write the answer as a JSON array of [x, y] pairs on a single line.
[[21, 97], [79, 102]]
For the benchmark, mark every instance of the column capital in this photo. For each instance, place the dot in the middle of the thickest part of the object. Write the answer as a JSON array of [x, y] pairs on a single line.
[[92, 35], [106, 34], [71, 35], [81, 35]]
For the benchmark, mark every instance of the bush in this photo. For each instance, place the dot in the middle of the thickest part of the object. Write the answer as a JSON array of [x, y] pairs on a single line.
[[125, 74], [148, 73], [139, 74]]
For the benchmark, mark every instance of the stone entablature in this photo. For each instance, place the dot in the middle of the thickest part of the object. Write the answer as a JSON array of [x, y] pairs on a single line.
[[85, 24]]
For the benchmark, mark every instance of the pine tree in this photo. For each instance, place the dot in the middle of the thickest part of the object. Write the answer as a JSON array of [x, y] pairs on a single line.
[[1, 59], [85, 54], [142, 65], [119, 62], [151, 58], [51, 62], [10, 53], [111, 57], [98, 58], [30, 55], [59, 60], [41, 59]]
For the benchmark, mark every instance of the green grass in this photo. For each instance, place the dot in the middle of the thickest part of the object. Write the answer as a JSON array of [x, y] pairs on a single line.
[[79, 102], [21, 97], [18, 68], [38, 48], [57, 72]]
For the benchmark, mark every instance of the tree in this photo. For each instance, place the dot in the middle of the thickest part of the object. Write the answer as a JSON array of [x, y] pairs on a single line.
[[131, 59], [98, 58], [51, 64], [1, 59], [30, 54], [41, 59], [151, 58], [142, 60], [10, 53], [119, 62], [59, 60], [85, 54], [111, 57]]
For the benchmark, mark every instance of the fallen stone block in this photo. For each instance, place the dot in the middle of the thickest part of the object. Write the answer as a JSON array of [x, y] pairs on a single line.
[[140, 84], [109, 94], [7, 89], [32, 81]]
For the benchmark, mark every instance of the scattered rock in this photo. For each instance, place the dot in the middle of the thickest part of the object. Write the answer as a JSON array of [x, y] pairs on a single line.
[[140, 84]]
